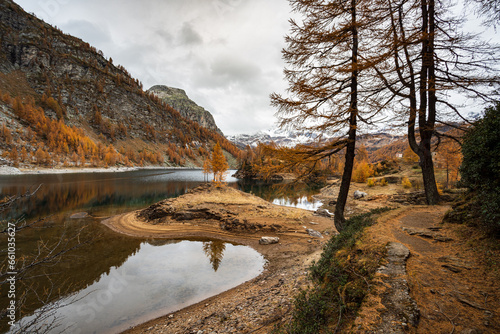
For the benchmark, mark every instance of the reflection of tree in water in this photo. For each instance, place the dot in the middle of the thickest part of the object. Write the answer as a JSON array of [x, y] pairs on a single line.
[[214, 250], [76, 192]]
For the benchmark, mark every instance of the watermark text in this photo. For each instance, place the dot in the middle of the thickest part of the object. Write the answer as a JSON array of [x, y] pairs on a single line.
[[11, 273]]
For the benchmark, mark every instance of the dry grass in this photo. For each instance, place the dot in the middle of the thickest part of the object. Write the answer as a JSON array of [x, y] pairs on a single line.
[[217, 195], [15, 84]]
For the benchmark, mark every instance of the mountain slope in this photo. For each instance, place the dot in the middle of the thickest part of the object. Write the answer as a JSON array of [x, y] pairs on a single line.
[[179, 100], [56, 87]]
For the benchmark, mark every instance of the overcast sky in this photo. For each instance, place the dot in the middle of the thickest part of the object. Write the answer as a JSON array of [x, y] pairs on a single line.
[[226, 54]]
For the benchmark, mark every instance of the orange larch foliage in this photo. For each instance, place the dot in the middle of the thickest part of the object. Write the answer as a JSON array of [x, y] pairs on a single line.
[[219, 164]]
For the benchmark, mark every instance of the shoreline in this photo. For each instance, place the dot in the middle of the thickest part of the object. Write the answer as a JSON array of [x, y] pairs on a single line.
[[249, 306], [8, 170]]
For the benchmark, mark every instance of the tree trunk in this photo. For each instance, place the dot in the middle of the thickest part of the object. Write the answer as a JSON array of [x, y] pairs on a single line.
[[427, 165], [339, 218], [427, 109], [427, 127], [447, 174]]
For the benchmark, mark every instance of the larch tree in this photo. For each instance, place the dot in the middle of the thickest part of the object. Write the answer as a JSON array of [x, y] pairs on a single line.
[[426, 62], [329, 87], [449, 157], [207, 169], [219, 164]]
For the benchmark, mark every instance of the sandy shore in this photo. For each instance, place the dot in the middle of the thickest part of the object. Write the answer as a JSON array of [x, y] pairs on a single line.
[[232, 215], [7, 170]]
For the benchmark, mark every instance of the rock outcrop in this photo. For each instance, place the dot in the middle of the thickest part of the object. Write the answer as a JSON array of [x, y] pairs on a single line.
[[178, 99]]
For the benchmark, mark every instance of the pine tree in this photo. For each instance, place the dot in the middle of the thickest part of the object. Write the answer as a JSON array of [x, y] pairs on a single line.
[[410, 156], [14, 156], [39, 155]]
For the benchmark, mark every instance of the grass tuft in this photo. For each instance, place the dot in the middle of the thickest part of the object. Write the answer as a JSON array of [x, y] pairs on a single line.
[[340, 281]]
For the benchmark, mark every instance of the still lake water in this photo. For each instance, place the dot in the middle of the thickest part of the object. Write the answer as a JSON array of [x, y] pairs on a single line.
[[116, 281]]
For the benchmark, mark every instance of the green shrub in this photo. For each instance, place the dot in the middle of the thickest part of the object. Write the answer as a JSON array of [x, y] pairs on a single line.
[[481, 165], [339, 282]]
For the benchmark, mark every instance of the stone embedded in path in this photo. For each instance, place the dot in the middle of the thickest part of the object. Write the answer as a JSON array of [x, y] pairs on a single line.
[[426, 234], [396, 257], [401, 309], [453, 264], [314, 233], [269, 240], [79, 215]]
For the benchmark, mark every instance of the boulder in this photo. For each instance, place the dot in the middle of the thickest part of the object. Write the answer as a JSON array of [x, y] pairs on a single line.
[[323, 212], [269, 240], [359, 194], [314, 233], [79, 215]]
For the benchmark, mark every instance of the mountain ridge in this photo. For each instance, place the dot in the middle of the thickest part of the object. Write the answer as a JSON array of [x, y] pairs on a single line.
[[55, 87], [293, 138]]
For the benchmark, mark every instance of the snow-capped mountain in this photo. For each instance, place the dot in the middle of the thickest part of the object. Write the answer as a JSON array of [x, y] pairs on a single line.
[[280, 137], [292, 138]]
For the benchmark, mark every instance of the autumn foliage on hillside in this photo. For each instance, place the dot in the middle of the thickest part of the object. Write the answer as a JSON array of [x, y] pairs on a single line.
[[49, 141], [79, 108]]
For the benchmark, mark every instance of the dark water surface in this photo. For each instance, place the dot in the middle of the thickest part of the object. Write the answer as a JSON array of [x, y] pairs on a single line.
[[114, 281]]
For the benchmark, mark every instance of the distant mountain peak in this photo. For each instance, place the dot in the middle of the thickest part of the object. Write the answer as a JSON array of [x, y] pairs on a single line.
[[292, 138], [278, 136], [179, 100], [168, 91]]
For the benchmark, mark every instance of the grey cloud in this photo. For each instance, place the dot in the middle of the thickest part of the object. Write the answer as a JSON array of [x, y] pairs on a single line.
[[164, 36], [234, 70], [91, 31], [189, 36], [224, 53]]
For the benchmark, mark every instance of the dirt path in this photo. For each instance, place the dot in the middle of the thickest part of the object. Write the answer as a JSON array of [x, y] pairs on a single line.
[[444, 288]]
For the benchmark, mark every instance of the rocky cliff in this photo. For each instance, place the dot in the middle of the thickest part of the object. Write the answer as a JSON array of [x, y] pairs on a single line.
[[55, 87], [179, 100]]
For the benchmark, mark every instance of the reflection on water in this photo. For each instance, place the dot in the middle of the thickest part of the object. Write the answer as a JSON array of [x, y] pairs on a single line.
[[158, 279], [297, 195], [106, 194], [214, 250], [304, 202], [95, 266], [98, 193], [76, 270]]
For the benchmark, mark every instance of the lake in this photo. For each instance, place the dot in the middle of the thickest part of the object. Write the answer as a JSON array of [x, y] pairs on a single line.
[[115, 281]]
